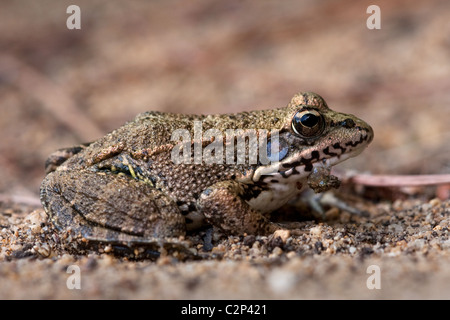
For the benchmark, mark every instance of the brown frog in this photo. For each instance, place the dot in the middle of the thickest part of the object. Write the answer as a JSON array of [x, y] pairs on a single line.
[[150, 178]]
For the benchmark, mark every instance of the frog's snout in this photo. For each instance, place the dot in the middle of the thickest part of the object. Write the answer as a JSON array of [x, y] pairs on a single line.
[[369, 132], [362, 126]]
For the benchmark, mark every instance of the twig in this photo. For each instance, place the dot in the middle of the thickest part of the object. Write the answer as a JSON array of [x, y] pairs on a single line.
[[400, 180]]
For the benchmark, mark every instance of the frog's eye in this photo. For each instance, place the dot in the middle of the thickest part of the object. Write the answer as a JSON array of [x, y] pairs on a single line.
[[307, 123]]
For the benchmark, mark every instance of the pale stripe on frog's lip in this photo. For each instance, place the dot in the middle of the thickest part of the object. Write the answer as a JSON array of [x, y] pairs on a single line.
[[327, 157]]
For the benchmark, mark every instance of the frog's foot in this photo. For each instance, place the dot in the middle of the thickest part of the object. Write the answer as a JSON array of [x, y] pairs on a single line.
[[58, 157], [331, 200], [109, 208], [319, 202], [320, 180], [223, 207]]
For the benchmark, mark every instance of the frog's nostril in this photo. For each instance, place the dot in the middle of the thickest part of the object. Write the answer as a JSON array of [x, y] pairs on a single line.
[[348, 123]]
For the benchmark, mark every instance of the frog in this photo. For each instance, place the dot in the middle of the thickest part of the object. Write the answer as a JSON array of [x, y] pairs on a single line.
[[126, 187]]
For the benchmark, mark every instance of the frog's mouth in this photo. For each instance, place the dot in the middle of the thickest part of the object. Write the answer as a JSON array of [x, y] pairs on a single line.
[[301, 165]]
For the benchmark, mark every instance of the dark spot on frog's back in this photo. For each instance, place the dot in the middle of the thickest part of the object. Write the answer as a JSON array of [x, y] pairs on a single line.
[[153, 180]]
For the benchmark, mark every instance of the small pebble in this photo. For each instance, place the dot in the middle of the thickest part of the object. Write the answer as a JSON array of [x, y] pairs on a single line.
[[283, 234]]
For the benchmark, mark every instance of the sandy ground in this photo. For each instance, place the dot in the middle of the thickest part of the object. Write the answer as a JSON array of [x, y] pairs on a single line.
[[61, 87], [385, 256]]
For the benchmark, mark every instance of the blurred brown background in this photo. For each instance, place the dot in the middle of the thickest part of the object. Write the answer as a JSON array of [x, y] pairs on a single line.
[[61, 87]]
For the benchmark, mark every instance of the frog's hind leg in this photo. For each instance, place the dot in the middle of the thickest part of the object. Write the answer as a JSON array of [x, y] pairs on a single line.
[[109, 207]]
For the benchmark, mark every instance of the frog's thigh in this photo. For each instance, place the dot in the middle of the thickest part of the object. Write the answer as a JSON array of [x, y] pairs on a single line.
[[224, 208], [108, 206]]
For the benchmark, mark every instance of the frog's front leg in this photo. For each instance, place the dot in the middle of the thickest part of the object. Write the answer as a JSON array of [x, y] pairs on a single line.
[[223, 207], [109, 207]]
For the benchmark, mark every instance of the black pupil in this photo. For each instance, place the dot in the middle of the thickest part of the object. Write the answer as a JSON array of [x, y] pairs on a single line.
[[309, 120]]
